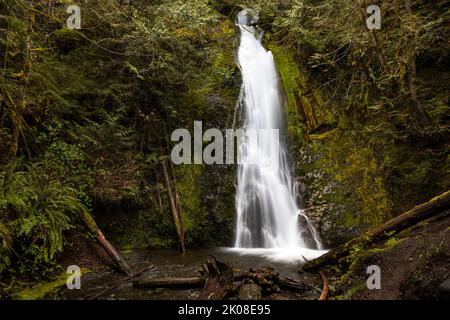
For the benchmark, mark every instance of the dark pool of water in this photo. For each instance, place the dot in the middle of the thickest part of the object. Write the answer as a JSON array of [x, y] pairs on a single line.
[[172, 263]]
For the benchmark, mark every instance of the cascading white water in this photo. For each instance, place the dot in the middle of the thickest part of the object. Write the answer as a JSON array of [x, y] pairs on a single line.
[[266, 199]]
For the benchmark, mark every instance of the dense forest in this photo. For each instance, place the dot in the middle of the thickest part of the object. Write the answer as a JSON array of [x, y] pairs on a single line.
[[86, 117]]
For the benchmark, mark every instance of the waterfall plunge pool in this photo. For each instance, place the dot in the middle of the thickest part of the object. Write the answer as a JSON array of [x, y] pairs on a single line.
[[288, 255], [286, 262]]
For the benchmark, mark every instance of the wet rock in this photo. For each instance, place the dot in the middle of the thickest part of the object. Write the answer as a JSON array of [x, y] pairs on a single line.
[[272, 289], [250, 291], [247, 17], [444, 289], [306, 233]]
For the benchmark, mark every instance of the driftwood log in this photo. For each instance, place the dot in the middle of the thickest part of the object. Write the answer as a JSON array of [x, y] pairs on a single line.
[[324, 294], [293, 285], [122, 281], [170, 282], [219, 280], [198, 282], [109, 248], [402, 222]]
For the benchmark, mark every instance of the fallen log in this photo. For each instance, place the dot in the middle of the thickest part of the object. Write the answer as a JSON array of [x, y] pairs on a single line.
[[402, 222], [198, 282], [121, 282], [326, 289], [170, 282], [218, 280], [292, 285], [110, 250]]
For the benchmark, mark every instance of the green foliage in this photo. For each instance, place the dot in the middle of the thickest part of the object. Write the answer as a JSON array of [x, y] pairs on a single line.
[[41, 290], [372, 153], [43, 209], [290, 74], [99, 108], [96, 112], [350, 281], [191, 204], [67, 163]]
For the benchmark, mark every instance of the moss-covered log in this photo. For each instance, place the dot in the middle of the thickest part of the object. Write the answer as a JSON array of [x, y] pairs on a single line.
[[109, 248], [419, 213]]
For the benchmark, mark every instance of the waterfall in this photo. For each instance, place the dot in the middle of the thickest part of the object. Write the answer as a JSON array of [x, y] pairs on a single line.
[[267, 213]]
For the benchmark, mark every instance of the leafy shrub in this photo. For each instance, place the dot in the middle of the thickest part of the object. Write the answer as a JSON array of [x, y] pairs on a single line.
[[66, 162], [34, 214]]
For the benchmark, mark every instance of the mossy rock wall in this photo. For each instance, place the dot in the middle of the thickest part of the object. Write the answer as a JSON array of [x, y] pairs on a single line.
[[206, 192], [351, 177]]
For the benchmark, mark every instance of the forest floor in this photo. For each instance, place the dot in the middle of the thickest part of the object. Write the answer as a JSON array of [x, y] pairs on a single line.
[[413, 265]]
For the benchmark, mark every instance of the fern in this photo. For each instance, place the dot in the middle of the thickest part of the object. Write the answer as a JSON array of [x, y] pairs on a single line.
[[45, 209]]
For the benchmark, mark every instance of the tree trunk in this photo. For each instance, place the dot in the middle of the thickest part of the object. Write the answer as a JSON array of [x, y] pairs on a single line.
[[292, 285], [419, 213], [112, 252], [198, 282], [419, 111], [173, 205], [177, 202], [121, 282], [325, 290], [373, 39], [170, 282], [219, 280]]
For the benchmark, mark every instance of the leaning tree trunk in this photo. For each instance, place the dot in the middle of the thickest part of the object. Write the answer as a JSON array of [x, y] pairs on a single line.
[[419, 110], [419, 213], [173, 205], [112, 252]]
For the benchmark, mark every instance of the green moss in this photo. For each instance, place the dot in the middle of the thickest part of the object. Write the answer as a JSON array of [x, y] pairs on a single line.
[[440, 196], [40, 290], [348, 294], [321, 136], [357, 193], [289, 74], [191, 210], [138, 229], [350, 282], [67, 39]]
